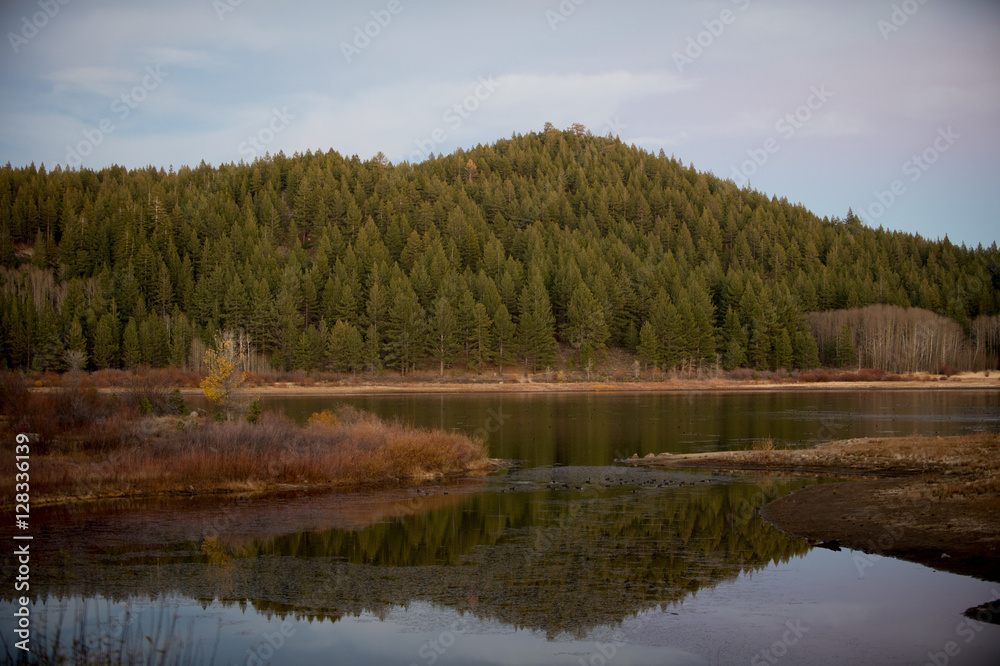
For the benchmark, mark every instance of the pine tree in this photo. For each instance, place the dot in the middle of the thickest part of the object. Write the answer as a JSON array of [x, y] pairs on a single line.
[[465, 316], [734, 341], [406, 328], [373, 350], [106, 342], [131, 353], [586, 329], [48, 344], [735, 356], [354, 352], [783, 350], [704, 343], [504, 336], [75, 339], [649, 344], [442, 336], [158, 342], [180, 339], [806, 351], [337, 347], [482, 339], [536, 326], [666, 322]]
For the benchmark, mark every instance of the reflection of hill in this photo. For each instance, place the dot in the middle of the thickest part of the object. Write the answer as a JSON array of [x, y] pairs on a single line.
[[564, 562]]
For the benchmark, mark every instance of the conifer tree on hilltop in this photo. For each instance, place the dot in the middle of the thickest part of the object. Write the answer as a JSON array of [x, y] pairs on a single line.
[[493, 255]]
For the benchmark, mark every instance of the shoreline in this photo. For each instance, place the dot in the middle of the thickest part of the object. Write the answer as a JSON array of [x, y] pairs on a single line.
[[957, 383], [264, 490], [929, 500]]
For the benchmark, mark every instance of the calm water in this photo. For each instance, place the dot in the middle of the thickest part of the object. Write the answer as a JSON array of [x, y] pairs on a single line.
[[594, 428], [566, 560]]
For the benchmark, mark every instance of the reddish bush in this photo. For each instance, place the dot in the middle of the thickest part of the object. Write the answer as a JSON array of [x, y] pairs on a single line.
[[13, 392], [947, 370], [46, 379], [75, 407], [815, 376], [872, 374]]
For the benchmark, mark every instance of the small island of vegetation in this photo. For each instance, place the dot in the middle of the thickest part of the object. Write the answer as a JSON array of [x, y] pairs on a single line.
[[143, 442]]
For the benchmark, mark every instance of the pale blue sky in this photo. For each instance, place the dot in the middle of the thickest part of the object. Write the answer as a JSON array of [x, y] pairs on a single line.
[[825, 103]]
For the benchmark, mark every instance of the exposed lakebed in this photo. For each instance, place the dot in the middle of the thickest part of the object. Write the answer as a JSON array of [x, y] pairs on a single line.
[[565, 559]]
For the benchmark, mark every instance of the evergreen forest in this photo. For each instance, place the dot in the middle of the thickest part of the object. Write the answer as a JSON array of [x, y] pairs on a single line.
[[548, 249]]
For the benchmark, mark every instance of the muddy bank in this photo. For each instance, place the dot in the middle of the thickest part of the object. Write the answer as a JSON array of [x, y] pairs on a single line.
[[932, 500], [261, 490]]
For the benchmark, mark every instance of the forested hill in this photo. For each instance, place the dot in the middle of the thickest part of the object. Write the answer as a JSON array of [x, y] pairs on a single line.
[[489, 256]]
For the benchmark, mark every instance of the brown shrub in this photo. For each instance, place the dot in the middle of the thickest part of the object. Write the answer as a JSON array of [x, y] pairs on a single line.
[[46, 379], [141, 455], [815, 376], [152, 387], [325, 418], [872, 374], [75, 406], [13, 392]]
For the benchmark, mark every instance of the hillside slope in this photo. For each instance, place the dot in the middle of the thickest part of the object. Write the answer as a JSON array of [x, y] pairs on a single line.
[[491, 255]]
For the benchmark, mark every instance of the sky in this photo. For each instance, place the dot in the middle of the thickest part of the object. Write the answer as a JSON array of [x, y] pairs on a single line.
[[888, 108]]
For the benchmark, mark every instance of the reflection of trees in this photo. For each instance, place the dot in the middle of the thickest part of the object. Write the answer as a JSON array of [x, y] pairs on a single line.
[[521, 558]]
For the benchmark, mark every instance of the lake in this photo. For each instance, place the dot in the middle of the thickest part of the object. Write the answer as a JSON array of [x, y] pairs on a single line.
[[566, 559]]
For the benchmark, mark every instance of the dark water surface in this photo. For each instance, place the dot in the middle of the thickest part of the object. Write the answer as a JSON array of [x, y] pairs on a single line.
[[566, 560], [596, 428]]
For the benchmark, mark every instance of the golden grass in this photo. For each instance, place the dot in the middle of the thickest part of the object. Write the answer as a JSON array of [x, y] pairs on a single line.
[[210, 456], [965, 465], [961, 466]]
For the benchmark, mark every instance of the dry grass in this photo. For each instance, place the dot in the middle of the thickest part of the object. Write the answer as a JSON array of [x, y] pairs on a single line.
[[962, 466], [166, 454], [86, 443], [969, 465], [762, 450]]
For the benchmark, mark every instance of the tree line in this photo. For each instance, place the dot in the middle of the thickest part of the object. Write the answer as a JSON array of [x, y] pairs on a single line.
[[903, 340], [493, 256]]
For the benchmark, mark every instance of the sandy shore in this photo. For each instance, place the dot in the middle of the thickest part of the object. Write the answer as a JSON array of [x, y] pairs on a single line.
[[485, 384], [932, 500]]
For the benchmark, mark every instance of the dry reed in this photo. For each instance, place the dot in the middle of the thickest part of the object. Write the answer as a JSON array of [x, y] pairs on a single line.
[[96, 447]]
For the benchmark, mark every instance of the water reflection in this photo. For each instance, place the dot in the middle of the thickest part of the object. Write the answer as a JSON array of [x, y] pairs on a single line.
[[595, 428], [677, 566], [551, 556]]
